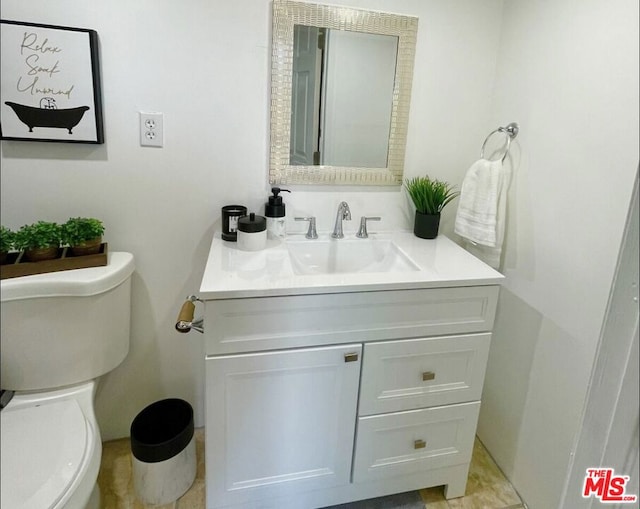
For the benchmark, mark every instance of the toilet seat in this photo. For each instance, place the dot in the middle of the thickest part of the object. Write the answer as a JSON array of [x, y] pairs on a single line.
[[51, 442]]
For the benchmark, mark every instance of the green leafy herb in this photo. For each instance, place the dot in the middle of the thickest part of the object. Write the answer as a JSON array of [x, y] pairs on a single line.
[[6, 239], [81, 229], [429, 195], [42, 234]]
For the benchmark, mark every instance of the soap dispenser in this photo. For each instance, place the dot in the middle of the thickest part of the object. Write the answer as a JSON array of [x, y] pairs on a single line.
[[274, 211]]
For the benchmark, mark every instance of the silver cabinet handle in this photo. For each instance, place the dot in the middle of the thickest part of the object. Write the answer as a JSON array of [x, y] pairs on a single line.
[[362, 232], [311, 232]]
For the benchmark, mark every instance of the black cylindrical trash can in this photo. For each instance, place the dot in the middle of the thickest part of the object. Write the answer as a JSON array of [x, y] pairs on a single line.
[[164, 451]]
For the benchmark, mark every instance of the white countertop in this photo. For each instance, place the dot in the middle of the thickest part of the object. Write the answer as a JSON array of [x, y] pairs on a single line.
[[231, 273]]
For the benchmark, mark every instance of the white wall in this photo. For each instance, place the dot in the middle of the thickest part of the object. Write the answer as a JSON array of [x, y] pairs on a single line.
[[568, 72], [206, 66]]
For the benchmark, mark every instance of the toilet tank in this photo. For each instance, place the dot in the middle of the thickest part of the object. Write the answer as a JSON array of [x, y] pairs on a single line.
[[64, 328]]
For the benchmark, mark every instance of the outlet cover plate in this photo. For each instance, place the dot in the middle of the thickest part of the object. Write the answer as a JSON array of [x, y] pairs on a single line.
[[151, 129]]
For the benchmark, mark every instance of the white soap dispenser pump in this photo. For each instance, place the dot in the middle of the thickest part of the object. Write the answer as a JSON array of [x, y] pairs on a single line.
[[274, 211]]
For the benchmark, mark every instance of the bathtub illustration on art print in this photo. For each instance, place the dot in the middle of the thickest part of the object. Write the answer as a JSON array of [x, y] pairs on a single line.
[[48, 116], [50, 83]]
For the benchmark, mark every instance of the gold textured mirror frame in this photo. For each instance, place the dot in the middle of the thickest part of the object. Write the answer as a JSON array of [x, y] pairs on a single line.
[[288, 13]]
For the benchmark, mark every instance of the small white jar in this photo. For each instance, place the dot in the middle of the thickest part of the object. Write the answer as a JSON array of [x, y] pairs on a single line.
[[252, 232]]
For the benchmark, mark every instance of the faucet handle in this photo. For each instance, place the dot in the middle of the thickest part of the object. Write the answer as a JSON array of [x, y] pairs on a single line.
[[311, 232], [362, 232]]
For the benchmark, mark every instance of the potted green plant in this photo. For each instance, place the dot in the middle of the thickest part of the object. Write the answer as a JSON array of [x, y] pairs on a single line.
[[83, 234], [39, 241], [6, 242], [429, 196]]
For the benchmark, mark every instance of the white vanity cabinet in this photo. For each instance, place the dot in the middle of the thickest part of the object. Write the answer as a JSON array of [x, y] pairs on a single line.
[[315, 400], [330, 388]]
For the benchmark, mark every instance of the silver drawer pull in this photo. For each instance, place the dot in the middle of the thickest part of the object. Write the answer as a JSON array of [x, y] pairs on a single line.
[[350, 357], [419, 444], [428, 375]]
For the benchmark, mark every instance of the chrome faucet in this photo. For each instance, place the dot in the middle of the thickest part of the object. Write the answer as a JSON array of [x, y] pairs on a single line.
[[362, 232], [312, 233], [343, 213]]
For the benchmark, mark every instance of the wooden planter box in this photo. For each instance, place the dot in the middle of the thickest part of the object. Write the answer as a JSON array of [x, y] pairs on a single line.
[[16, 266]]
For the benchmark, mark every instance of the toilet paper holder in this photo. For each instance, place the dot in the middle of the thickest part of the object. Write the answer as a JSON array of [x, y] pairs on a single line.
[[185, 320]]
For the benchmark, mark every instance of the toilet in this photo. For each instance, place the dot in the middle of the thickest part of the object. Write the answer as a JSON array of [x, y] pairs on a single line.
[[60, 332]]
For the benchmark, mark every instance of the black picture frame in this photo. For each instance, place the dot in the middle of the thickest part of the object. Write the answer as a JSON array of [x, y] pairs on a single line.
[[51, 88]]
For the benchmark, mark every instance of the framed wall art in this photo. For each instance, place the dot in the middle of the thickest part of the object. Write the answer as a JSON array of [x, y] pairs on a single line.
[[50, 83]]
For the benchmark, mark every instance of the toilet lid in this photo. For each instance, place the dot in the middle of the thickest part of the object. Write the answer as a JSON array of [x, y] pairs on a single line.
[[42, 451]]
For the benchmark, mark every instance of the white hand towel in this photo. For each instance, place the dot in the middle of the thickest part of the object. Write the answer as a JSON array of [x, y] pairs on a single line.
[[476, 219], [482, 208]]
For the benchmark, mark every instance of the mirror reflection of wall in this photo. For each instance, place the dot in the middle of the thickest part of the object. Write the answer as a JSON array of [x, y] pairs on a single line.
[[342, 97]]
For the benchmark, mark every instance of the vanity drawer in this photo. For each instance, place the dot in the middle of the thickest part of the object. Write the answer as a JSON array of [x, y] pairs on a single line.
[[254, 324], [419, 373], [409, 442]]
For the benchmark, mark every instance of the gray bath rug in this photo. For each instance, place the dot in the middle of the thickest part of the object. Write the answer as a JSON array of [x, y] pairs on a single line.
[[409, 500]]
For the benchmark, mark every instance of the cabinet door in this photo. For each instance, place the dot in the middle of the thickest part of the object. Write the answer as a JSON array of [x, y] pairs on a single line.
[[279, 422]]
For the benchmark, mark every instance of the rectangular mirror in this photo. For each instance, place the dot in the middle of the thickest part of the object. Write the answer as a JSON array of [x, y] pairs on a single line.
[[340, 93]]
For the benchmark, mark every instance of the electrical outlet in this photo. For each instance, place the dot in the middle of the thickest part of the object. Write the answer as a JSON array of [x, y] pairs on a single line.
[[151, 130]]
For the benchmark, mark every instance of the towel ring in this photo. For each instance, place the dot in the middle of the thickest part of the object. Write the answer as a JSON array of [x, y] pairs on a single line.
[[511, 130]]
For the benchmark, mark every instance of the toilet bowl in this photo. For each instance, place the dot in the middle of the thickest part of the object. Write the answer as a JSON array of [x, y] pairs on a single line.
[[51, 450], [59, 333]]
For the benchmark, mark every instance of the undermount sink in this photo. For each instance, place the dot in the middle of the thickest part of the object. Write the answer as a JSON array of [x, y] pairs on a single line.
[[332, 256]]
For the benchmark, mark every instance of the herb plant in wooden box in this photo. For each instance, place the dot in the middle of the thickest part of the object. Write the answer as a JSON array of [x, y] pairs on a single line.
[[6, 242], [83, 234], [39, 241], [429, 196]]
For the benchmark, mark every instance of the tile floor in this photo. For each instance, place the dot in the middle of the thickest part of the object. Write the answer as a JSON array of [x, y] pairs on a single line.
[[486, 489]]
